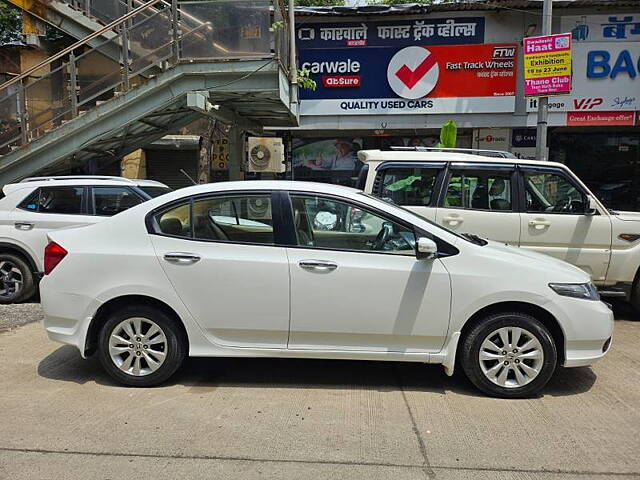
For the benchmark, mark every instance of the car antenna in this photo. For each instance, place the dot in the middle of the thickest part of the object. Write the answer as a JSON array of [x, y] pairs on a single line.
[[188, 176]]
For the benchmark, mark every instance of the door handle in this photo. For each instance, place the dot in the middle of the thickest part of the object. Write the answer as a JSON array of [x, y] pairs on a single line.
[[453, 221], [23, 225], [318, 265], [181, 257], [539, 224]]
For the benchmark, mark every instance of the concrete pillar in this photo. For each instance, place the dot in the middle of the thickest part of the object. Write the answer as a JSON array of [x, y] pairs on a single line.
[[134, 165], [236, 153]]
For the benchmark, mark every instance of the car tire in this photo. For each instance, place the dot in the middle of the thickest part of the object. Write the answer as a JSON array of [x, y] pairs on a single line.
[[13, 268], [141, 346], [528, 357]]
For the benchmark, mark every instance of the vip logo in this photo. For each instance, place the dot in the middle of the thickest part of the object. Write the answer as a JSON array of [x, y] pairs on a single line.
[[413, 72], [587, 103], [504, 52]]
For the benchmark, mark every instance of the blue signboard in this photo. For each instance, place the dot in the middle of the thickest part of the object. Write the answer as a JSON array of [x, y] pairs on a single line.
[[399, 33]]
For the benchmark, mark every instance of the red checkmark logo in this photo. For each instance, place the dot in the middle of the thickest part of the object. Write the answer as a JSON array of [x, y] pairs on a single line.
[[411, 77]]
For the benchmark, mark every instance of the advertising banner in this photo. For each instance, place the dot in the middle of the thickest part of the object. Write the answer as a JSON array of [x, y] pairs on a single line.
[[606, 77], [547, 65], [622, 27], [414, 79], [589, 119]]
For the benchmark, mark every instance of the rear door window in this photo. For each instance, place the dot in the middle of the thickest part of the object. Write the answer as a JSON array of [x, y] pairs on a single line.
[[479, 190], [108, 201], [409, 186]]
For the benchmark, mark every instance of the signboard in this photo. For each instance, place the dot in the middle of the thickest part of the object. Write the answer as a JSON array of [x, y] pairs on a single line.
[[589, 119], [523, 137], [403, 33], [492, 139], [623, 27], [547, 65], [414, 79], [606, 77], [220, 154]]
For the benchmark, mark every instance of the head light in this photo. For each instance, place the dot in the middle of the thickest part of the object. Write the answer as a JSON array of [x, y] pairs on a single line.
[[587, 291]]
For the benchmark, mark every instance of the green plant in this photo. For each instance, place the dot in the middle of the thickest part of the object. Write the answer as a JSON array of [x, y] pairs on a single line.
[[10, 23], [304, 80], [448, 135], [277, 26]]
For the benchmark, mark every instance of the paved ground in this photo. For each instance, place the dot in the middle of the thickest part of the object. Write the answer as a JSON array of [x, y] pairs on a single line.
[[61, 417]]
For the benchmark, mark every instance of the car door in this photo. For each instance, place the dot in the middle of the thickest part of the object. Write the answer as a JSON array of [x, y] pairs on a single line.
[[479, 198], [219, 252], [411, 185], [555, 221], [47, 209], [357, 286]]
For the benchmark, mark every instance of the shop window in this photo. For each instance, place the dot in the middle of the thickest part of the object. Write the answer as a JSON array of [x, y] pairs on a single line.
[[552, 193], [409, 186], [326, 223], [480, 191]]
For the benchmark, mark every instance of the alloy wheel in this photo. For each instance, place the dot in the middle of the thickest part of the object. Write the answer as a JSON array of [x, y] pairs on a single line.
[[11, 280], [138, 346], [511, 357]]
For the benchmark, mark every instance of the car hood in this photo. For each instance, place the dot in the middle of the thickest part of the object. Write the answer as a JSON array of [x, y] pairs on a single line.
[[628, 216], [556, 270]]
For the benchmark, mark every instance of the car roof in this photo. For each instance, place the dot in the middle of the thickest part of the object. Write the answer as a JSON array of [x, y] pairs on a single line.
[[418, 156], [76, 180]]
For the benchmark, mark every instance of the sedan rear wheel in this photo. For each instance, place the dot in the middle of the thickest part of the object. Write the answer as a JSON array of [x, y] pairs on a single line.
[[141, 346], [510, 355]]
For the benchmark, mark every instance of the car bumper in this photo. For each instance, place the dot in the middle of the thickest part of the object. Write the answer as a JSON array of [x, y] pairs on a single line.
[[588, 330]]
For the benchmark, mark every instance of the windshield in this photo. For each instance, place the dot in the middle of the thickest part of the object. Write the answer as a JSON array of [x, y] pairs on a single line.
[[154, 192], [462, 236]]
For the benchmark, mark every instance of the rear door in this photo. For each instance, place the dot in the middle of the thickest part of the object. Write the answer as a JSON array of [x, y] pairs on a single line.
[[412, 185], [46, 209], [480, 199], [555, 222], [219, 252]]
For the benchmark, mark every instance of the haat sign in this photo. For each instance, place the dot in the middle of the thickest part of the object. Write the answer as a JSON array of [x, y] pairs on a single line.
[[414, 79], [547, 65]]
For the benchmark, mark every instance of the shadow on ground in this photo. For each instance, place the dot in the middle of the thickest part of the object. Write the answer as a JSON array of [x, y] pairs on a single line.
[[208, 374]]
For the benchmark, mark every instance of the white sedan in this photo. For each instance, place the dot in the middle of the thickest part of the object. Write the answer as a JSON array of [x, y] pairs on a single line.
[[249, 269]]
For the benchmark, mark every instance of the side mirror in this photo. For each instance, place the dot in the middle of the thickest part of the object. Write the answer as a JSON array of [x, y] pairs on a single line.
[[592, 206], [426, 248]]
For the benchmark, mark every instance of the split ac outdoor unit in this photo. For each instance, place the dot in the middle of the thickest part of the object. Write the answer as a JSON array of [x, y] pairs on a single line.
[[265, 154]]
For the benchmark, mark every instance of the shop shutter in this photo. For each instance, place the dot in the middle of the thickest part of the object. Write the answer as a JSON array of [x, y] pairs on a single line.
[[164, 166]]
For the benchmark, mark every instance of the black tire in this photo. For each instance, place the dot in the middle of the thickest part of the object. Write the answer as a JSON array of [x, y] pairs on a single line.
[[470, 353], [28, 287], [176, 346]]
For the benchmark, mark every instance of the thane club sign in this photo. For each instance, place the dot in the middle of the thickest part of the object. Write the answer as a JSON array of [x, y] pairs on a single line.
[[413, 79]]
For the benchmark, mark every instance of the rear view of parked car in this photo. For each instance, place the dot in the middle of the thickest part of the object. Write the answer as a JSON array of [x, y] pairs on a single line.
[[292, 269], [32, 208]]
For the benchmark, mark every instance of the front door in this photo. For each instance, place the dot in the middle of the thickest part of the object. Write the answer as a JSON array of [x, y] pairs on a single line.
[[357, 286], [479, 200], [219, 254], [555, 223]]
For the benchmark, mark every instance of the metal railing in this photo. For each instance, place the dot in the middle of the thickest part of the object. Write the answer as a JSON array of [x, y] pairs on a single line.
[[146, 40]]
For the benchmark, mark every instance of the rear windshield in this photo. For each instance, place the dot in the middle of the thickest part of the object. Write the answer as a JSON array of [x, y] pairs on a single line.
[[154, 192]]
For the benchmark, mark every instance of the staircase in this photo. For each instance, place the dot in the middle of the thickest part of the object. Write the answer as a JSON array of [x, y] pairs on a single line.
[[152, 69]]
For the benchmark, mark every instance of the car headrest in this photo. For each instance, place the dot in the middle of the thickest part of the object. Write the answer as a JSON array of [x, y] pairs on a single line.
[[171, 226]]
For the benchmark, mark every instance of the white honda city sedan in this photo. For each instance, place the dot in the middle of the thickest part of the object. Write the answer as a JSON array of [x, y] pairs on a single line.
[[308, 270]]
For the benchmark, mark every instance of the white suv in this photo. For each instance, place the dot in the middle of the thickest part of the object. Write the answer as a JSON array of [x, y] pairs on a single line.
[[35, 206], [535, 205]]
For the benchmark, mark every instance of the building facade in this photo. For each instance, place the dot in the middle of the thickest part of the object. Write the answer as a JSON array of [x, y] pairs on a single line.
[[390, 76]]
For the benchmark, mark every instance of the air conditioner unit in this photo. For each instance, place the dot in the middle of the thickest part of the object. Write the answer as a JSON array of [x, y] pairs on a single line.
[[265, 154], [259, 207]]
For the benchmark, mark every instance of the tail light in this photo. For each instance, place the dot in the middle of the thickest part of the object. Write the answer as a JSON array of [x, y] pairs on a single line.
[[53, 255]]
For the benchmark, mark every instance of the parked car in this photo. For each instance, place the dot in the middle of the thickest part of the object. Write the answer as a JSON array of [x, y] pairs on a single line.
[[276, 282], [35, 206], [539, 206]]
